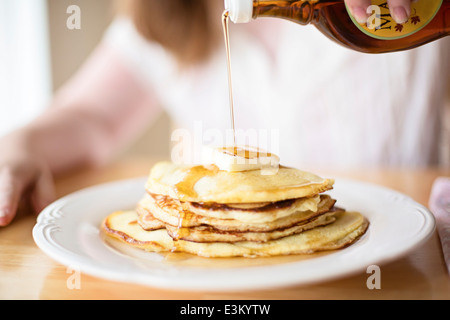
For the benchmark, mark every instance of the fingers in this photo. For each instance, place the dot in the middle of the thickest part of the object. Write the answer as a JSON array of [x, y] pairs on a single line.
[[400, 10], [10, 193], [44, 191], [12, 187], [358, 9]]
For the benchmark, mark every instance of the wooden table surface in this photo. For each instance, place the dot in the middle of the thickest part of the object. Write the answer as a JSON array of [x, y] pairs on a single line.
[[27, 273]]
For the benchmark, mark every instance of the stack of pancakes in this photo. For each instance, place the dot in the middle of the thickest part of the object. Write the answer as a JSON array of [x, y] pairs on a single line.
[[212, 213]]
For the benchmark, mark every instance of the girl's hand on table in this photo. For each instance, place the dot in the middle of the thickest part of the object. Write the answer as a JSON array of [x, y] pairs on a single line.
[[22, 173]]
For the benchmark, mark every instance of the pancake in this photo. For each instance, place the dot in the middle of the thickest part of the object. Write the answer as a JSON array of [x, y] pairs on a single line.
[[148, 222], [215, 213], [123, 226], [256, 212], [211, 234], [263, 219], [204, 184], [345, 230]]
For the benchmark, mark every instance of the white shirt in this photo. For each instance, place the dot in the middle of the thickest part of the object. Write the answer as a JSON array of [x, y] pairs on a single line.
[[320, 103]]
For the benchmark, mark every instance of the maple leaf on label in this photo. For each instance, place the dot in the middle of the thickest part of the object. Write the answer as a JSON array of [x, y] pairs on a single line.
[[399, 27], [415, 20]]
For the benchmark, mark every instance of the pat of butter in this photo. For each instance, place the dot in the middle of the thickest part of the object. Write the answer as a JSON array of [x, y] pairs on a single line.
[[236, 159]]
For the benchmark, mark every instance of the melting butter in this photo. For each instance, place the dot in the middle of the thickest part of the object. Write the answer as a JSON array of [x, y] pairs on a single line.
[[245, 158]]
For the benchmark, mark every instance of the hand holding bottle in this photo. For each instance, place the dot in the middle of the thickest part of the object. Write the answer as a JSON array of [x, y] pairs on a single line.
[[387, 26], [400, 9]]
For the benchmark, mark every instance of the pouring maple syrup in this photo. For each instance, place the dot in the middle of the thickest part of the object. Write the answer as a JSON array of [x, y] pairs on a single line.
[[226, 35], [185, 189], [429, 21]]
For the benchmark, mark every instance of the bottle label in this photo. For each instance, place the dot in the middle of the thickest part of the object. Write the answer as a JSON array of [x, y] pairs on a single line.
[[381, 25]]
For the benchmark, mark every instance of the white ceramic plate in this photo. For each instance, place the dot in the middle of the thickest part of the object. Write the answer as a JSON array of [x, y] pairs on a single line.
[[68, 231]]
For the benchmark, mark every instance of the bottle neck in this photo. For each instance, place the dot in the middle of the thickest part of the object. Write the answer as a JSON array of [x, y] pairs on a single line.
[[239, 11], [300, 11]]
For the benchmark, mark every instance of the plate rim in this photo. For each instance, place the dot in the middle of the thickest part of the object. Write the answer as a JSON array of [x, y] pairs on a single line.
[[46, 220]]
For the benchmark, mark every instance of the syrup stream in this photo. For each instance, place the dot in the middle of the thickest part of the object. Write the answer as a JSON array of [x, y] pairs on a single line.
[[226, 33]]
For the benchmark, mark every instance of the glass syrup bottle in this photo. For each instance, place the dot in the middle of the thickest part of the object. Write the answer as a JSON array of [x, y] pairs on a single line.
[[429, 21]]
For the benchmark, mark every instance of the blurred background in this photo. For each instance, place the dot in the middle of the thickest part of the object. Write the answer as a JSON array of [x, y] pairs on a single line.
[[38, 53]]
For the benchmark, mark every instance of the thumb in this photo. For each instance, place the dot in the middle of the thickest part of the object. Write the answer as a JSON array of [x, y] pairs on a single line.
[[43, 192]]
